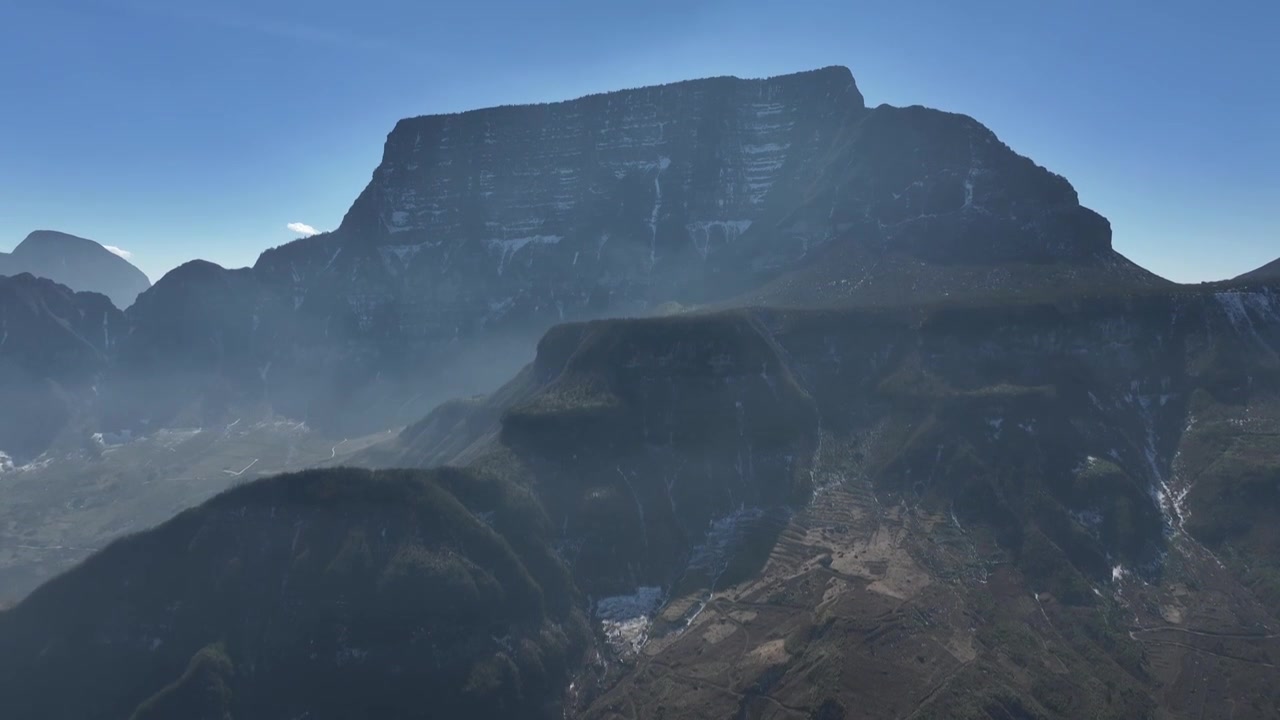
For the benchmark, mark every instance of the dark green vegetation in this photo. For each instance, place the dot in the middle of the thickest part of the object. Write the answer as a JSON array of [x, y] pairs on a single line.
[[335, 593]]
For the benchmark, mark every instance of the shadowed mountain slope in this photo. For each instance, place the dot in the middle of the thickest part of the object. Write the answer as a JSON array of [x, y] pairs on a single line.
[[336, 594], [55, 345], [1270, 271]]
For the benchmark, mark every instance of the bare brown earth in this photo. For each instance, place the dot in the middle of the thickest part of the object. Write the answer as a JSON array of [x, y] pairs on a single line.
[[875, 608]]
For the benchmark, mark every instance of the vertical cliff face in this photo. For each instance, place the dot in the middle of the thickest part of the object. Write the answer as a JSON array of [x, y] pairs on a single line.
[[612, 202], [479, 230], [691, 192]]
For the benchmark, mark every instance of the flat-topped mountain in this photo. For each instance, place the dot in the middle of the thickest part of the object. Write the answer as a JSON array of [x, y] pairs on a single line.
[[481, 229], [80, 264], [691, 192]]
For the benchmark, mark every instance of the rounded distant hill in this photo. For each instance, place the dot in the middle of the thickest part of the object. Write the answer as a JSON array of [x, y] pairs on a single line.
[[80, 264]]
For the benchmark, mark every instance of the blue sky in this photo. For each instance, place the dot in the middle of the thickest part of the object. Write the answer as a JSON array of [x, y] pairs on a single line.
[[178, 129]]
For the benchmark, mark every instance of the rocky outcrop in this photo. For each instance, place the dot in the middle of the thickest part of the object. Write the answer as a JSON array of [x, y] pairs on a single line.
[[609, 203], [80, 264], [686, 193]]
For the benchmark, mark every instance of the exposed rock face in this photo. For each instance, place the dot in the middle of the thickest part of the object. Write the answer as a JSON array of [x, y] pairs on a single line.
[[54, 346], [689, 192], [481, 229], [612, 202], [80, 264]]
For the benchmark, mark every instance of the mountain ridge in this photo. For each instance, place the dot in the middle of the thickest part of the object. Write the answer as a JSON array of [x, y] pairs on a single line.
[[380, 545], [1268, 271], [479, 231], [832, 70], [1027, 508]]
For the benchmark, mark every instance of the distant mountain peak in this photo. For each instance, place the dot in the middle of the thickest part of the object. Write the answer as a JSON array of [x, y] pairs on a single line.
[[79, 263]]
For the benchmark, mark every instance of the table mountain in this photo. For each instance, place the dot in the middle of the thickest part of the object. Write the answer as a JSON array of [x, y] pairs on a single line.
[[688, 193], [481, 229]]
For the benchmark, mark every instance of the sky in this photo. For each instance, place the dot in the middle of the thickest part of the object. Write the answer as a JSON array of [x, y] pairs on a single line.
[[181, 129]]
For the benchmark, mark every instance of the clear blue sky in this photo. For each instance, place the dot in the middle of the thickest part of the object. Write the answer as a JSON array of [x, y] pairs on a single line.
[[199, 128]]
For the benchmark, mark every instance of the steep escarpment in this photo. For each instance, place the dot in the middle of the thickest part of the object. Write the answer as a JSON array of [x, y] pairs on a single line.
[[918, 205], [645, 434], [339, 594], [612, 202], [688, 193], [80, 264], [480, 230]]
